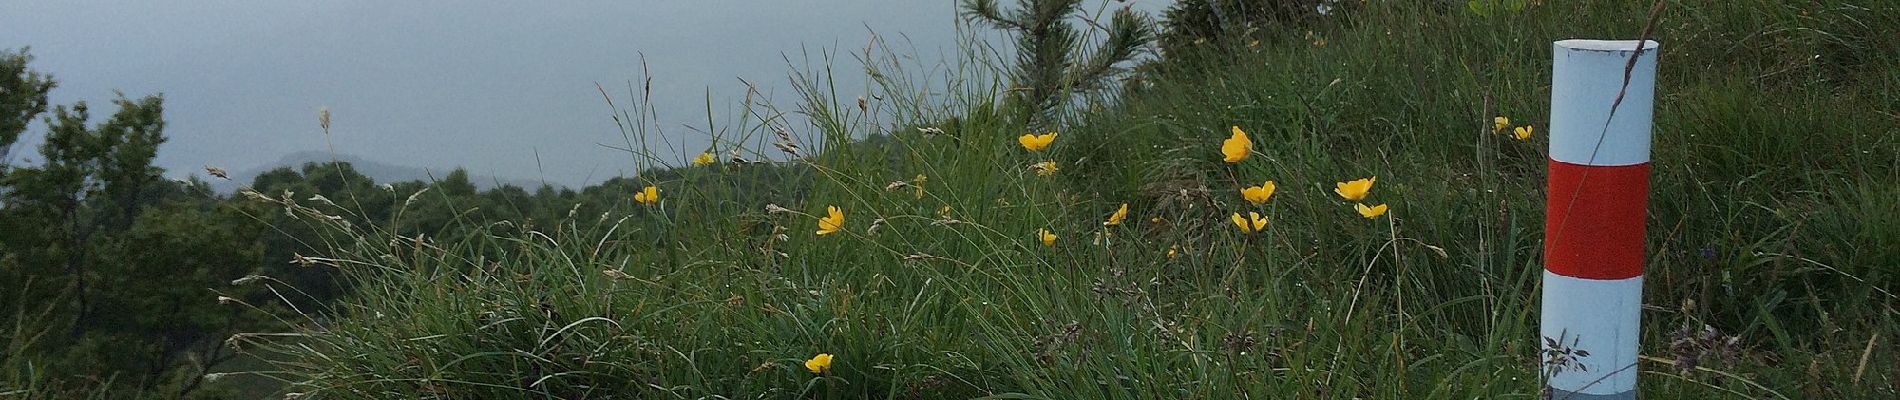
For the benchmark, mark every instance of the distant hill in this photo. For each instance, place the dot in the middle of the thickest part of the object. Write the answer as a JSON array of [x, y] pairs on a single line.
[[380, 171]]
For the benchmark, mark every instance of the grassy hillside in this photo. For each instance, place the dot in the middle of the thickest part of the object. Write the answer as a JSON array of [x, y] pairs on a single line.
[[1775, 222]]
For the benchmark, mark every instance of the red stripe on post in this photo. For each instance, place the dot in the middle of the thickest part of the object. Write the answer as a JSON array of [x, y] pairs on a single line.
[[1594, 220]]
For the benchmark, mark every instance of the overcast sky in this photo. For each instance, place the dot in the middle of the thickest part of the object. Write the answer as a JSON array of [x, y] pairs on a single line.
[[480, 84]]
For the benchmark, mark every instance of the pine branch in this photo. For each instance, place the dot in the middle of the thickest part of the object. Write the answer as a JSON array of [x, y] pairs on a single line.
[[1127, 33], [987, 11]]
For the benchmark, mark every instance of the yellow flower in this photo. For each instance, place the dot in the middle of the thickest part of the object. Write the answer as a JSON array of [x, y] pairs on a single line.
[[1257, 222], [1035, 142], [1258, 194], [1522, 132], [1117, 217], [649, 195], [832, 222], [1499, 123], [703, 158], [944, 212], [819, 364], [1370, 212], [1045, 168], [1047, 238], [1172, 249], [919, 184], [1236, 147], [1355, 190]]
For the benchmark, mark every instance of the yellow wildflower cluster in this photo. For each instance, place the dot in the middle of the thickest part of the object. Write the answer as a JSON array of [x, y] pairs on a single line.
[[1237, 147], [819, 364], [1501, 123], [1258, 194], [1045, 168], [1117, 217], [648, 195], [1355, 191], [1037, 143], [832, 222], [1251, 223]]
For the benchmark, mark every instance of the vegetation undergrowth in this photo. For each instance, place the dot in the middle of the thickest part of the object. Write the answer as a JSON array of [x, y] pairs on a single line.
[[966, 259]]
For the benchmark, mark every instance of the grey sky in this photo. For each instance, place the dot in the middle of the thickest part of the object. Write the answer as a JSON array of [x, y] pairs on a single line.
[[480, 84]]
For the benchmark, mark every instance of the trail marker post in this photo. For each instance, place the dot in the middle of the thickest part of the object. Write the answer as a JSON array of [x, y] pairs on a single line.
[[1600, 111]]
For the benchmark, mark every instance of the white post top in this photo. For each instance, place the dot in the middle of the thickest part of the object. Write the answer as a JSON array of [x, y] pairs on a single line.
[[1606, 45], [1586, 80]]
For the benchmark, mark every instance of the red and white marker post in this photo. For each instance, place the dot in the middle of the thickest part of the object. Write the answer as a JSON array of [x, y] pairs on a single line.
[[1593, 231]]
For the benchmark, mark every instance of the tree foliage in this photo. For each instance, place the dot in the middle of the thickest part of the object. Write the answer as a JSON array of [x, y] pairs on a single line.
[[22, 96], [110, 264], [1052, 62], [1189, 24]]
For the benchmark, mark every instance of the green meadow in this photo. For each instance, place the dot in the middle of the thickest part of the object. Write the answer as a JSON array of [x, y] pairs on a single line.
[[990, 243]]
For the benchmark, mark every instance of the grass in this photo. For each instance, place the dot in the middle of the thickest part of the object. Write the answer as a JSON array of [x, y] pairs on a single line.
[[1775, 219]]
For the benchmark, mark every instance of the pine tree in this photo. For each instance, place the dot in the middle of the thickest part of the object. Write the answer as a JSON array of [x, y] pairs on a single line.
[[1051, 60]]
